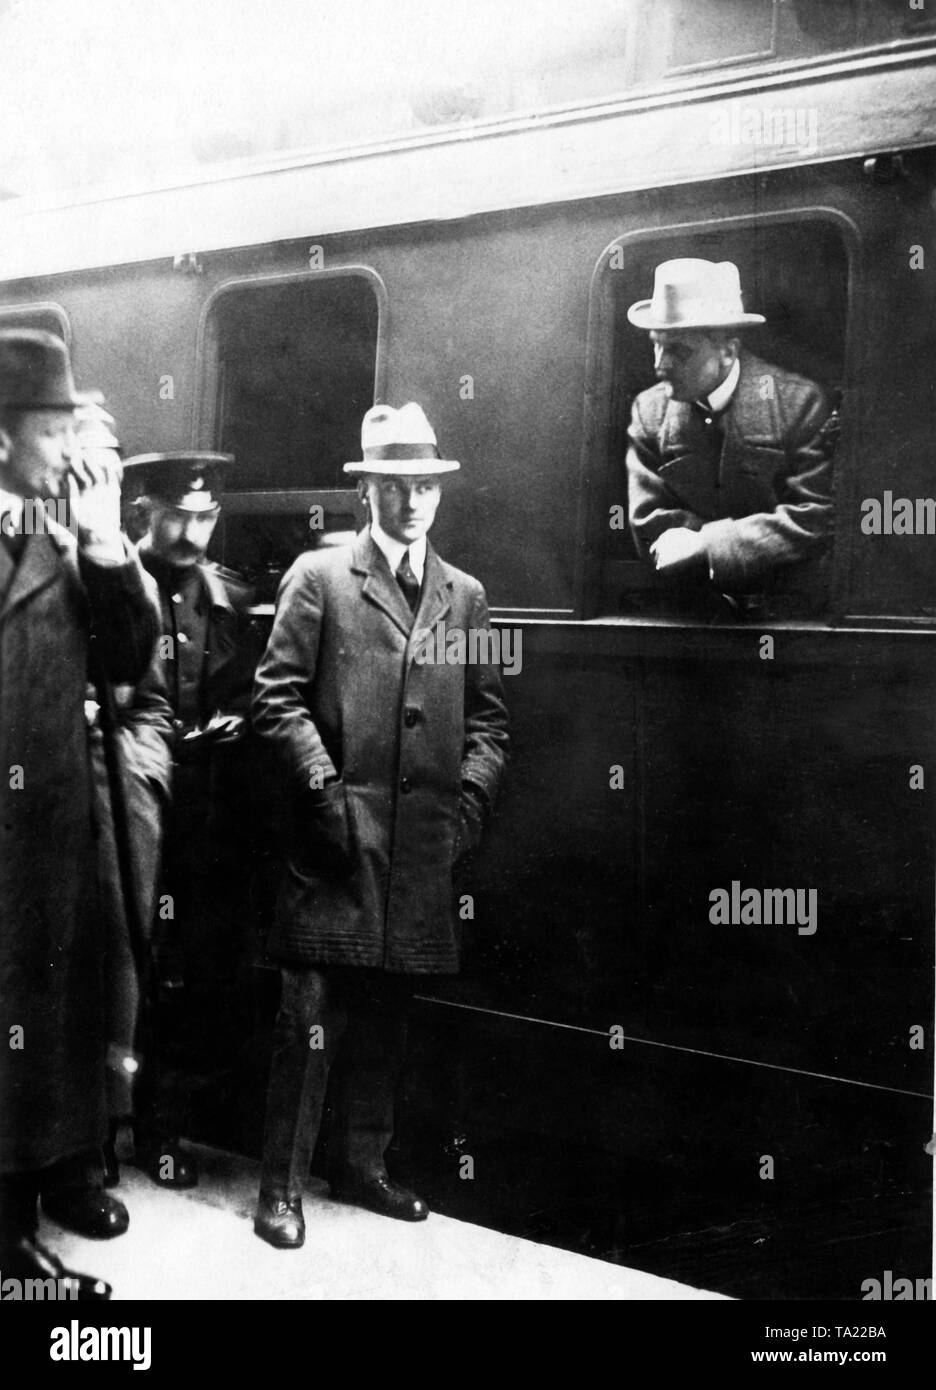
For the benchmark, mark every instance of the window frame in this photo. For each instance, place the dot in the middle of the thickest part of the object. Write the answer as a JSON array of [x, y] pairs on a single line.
[[24, 309], [266, 501], [596, 463], [707, 65]]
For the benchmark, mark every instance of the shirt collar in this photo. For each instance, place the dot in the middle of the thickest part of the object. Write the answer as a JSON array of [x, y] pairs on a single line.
[[719, 398], [393, 551]]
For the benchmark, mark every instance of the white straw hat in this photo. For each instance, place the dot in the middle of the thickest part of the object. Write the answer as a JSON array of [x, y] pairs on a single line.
[[399, 441], [693, 293]]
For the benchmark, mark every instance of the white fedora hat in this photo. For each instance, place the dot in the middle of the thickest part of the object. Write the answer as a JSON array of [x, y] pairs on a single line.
[[94, 424], [399, 441], [693, 293]]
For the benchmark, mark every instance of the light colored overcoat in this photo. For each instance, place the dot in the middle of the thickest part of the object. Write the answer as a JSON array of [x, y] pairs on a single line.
[[340, 693]]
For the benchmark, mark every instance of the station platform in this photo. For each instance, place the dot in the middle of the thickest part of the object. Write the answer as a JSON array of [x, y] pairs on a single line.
[[200, 1244]]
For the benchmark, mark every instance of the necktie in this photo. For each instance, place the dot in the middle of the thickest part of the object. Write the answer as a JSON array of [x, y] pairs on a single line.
[[712, 419], [408, 582]]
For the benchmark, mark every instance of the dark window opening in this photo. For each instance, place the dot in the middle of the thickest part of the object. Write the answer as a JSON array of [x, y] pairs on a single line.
[[49, 317], [291, 368], [795, 273]]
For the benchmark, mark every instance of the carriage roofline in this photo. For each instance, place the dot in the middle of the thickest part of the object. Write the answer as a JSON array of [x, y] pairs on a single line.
[[864, 104]]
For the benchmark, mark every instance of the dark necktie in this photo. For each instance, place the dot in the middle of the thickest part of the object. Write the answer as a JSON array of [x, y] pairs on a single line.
[[408, 582], [712, 419]]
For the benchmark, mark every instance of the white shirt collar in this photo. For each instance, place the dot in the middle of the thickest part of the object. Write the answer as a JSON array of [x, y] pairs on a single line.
[[393, 551], [719, 398]]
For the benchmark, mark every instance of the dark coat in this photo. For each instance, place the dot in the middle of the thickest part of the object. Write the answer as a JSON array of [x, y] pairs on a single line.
[[764, 504], [144, 738], [232, 648], [233, 645], [339, 694], [54, 609]]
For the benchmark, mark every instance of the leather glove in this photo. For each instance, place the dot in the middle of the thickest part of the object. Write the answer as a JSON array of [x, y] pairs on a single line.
[[471, 812], [322, 832]]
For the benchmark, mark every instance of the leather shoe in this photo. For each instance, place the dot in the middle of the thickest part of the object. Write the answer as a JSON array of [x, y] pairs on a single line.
[[89, 1211], [280, 1222], [377, 1193], [166, 1162], [26, 1258]]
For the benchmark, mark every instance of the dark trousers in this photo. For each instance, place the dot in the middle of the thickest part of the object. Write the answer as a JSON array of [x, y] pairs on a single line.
[[19, 1192], [358, 1055]]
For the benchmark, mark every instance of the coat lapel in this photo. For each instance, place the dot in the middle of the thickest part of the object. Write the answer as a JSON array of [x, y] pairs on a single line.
[[751, 417], [685, 468], [379, 586], [748, 422], [222, 626], [39, 566], [436, 598], [7, 568]]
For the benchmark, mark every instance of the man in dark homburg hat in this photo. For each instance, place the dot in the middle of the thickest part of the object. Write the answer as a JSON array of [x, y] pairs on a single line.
[[730, 458], [208, 652], [73, 604], [392, 764], [138, 724]]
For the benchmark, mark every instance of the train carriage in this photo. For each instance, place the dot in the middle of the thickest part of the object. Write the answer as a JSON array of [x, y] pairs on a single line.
[[741, 1104]]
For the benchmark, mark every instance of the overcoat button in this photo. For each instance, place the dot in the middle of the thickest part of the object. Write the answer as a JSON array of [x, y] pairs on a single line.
[[406, 785], [410, 716]]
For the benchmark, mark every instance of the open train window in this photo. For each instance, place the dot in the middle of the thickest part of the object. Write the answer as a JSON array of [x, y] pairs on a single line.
[[48, 316], [795, 272], [289, 366]]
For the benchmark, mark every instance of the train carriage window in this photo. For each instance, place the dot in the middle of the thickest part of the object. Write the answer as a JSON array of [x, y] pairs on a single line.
[[52, 318], [793, 272], [289, 367], [734, 31]]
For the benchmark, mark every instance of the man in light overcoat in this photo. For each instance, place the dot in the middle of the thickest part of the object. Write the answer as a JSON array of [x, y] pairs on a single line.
[[393, 765]]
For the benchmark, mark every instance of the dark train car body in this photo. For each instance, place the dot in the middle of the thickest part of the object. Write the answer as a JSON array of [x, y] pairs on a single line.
[[745, 1107]]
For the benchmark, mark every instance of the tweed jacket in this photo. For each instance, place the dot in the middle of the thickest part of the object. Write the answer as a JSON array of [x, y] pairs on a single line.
[[761, 496]]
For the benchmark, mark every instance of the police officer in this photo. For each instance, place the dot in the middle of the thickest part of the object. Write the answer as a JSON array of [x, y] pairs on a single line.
[[208, 652]]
